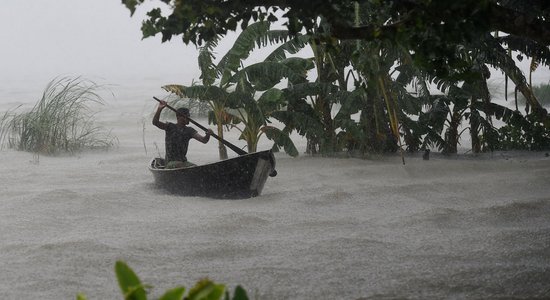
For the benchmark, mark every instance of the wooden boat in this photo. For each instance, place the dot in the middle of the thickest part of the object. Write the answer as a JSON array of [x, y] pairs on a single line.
[[243, 176]]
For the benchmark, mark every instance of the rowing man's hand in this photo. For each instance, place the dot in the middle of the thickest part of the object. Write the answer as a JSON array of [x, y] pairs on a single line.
[[162, 104]]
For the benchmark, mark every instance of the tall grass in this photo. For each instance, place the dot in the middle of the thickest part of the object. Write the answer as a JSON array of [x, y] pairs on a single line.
[[61, 121], [6, 124]]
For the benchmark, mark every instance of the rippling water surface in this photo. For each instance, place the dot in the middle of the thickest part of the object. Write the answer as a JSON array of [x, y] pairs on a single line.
[[324, 228]]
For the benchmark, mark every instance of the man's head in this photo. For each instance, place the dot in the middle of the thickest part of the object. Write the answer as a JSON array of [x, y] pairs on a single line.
[[183, 111], [182, 115]]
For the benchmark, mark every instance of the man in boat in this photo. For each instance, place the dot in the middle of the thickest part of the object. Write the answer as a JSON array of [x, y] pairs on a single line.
[[177, 137]]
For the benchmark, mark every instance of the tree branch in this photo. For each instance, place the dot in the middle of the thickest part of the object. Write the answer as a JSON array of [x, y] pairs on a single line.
[[515, 23]]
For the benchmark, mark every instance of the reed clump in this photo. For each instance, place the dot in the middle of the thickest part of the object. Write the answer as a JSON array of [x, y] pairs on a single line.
[[61, 121]]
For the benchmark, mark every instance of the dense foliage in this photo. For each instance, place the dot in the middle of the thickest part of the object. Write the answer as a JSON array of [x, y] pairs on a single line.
[[375, 64], [230, 88], [452, 21]]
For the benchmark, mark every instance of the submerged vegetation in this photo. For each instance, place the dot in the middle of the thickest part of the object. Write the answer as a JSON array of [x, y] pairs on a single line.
[[61, 121]]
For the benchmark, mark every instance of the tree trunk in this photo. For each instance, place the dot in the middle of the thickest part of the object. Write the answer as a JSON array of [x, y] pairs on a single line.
[[329, 137], [370, 123], [451, 136], [221, 147], [474, 133]]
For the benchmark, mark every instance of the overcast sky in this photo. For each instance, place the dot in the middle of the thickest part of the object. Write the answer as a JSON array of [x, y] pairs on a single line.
[[42, 39]]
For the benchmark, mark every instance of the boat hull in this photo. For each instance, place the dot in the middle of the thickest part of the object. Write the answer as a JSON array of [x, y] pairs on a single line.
[[239, 177]]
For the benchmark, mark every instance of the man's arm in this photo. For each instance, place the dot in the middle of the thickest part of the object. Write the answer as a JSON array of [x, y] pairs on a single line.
[[156, 117], [203, 139]]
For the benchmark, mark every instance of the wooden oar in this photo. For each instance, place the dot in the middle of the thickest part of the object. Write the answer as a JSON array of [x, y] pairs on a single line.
[[228, 144]]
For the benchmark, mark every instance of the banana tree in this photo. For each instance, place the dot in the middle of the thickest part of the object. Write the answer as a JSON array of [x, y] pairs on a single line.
[[373, 63], [253, 114], [251, 118], [215, 88], [303, 115], [313, 106], [250, 115], [228, 84]]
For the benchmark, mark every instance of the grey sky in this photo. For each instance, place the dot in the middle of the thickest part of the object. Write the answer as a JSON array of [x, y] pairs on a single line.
[[42, 39]]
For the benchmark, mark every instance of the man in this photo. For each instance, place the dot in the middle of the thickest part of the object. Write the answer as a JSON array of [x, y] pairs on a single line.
[[177, 137]]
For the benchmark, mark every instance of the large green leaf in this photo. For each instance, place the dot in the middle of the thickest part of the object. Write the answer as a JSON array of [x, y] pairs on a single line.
[[176, 89], [500, 112], [301, 117], [271, 100], [300, 66], [281, 139], [81, 296], [131, 5], [173, 294], [313, 89], [209, 71], [351, 103], [240, 294], [129, 283], [292, 46], [200, 92], [244, 44], [206, 290], [265, 75], [258, 34]]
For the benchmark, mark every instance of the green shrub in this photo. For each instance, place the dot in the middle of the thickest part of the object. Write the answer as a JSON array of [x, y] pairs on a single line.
[[132, 288], [61, 120], [7, 123]]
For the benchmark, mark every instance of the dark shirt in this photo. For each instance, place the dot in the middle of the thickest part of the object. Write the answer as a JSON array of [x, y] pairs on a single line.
[[177, 140]]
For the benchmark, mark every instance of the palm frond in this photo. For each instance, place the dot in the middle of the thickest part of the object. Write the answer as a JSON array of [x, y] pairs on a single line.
[[209, 71], [244, 44], [292, 46], [527, 47], [265, 75], [200, 92], [280, 139], [176, 89]]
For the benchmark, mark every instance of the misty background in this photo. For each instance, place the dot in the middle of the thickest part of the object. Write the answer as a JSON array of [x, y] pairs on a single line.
[[95, 39]]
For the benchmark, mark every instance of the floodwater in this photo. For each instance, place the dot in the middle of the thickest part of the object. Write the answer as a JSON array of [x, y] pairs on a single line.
[[459, 227]]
